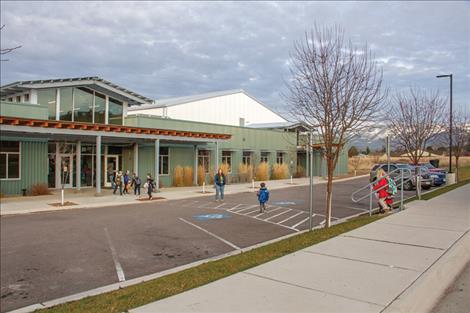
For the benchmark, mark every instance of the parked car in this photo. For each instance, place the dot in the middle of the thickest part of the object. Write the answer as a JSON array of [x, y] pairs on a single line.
[[433, 169], [426, 181], [437, 177], [409, 184]]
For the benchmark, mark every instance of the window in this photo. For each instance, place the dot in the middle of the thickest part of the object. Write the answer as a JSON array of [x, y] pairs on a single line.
[[115, 111], [164, 168], [18, 98], [83, 105], [204, 160], [10, 99], [279, 158], [66, 104], [47, 98], [100, 108], [26, 97], [264, 157], [227, 159], [10, 160], [246, 159]]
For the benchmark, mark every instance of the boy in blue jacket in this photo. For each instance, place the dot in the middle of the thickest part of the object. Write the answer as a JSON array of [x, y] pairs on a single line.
[[263, 197]]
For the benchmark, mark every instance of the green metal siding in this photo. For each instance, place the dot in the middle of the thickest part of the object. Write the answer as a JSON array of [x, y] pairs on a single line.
[[34, 166], [23, 110]]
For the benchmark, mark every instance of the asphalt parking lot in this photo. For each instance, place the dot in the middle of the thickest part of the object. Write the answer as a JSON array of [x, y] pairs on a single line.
[[50, 255]]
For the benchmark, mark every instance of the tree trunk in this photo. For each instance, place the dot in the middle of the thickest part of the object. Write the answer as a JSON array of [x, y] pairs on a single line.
[[456, 169], [329, 198]]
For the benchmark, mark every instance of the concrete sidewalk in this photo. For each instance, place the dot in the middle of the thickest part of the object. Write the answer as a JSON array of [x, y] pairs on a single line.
[[86, 197], [402, 263]]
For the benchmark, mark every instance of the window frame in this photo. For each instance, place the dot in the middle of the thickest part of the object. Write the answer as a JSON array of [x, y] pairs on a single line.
[[200, 156], [160, 162], [264, 158], [6, 163], [249, 156], [227, 157], [280, 156]]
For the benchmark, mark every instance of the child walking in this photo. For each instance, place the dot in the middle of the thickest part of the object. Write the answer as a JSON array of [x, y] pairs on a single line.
[[263, 197], [383, 192]]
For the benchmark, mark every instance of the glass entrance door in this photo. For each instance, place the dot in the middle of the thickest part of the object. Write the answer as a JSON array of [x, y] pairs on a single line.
[[111, 166], [66, 170]]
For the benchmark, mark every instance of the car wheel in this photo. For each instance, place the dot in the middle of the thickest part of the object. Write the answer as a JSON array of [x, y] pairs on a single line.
[[426, 187], [408, 185]]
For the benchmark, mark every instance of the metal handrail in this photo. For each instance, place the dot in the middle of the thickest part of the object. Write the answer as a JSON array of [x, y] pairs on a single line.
[[370, 187]]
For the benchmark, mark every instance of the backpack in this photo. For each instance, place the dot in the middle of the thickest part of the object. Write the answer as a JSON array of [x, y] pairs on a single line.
[[138, 181], [392, 186]]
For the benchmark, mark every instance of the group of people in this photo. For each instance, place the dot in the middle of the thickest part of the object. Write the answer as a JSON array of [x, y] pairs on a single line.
[[125, 183]]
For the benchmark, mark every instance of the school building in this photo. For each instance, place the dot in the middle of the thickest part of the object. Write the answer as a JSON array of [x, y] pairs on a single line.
[[76, 132]]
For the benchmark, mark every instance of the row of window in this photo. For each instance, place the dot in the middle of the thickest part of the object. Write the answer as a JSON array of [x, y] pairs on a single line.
[[80, 104], [10, 158], [19, 98]]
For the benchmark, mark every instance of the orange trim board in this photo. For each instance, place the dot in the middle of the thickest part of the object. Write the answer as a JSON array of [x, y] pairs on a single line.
[[104, 127]]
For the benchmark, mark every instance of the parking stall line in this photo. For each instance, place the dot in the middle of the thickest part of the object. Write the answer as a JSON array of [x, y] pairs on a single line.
[[291, 217], [211, 234], [270, 211], [234, 208], [302, 221], [259, 219], [247, 208], [117, 265], [269, 218]]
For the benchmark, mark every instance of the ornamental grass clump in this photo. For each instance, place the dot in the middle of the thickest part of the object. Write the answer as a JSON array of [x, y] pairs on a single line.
[[178, 178], [245, 172], [188, 176], [40, 189], [280, 171], [262, 171], [201, 176]]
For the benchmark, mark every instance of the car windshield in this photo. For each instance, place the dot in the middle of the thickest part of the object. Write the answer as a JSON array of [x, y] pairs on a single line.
[[406, 166]]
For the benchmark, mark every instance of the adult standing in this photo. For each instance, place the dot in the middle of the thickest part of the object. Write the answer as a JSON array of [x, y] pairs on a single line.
[[219, 181], [118, 183]]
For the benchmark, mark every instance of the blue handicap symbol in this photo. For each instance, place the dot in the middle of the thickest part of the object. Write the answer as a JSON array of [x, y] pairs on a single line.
[[215, 216]]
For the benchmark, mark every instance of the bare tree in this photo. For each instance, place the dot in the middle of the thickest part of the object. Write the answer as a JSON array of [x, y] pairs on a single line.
[[334, 89], [460, 136], [4, 51], [414, 119]]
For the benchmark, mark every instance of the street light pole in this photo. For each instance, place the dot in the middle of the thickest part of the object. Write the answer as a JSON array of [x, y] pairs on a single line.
[[450, 120]]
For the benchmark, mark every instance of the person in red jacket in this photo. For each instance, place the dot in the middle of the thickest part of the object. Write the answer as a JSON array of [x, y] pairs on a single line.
[[385, 199]]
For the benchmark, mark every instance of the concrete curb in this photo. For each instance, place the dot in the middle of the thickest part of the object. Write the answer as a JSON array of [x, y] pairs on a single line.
[[425, 292]]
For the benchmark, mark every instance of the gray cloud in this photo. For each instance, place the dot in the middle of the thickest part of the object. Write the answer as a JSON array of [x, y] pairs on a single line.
[[164, 49]]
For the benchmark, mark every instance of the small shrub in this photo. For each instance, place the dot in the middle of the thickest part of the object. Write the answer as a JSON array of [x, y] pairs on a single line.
[[280, 171], [262, 171], [178, 176], [188, 176], [201, 176], [39, 189], [299, 172]]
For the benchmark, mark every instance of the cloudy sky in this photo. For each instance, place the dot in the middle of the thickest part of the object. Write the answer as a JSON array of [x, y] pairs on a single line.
[[164, 50]]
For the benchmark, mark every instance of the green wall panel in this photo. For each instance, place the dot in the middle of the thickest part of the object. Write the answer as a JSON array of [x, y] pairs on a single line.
[[34, 166], [23, 110]]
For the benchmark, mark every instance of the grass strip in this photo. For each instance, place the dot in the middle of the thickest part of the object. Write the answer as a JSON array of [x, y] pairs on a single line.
[[134, 296]]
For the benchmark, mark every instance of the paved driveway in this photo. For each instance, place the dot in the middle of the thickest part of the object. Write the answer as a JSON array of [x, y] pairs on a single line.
[[50, 255]]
